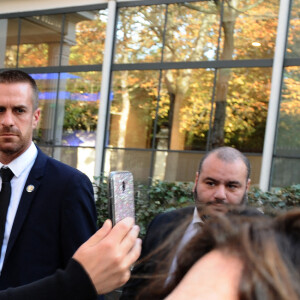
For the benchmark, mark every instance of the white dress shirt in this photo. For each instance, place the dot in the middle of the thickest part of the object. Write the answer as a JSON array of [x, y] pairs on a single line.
[[21, 167], [191, 230]]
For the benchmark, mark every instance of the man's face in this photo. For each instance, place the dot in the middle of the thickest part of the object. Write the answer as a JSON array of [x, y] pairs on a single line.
[[220, 184], [17, 120]]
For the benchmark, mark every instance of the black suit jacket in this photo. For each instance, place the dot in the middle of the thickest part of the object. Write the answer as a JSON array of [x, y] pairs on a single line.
[[51, 222], [158, 231]]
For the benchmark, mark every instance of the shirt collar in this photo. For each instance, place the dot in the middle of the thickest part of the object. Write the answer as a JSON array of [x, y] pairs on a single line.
[[19, 164], [196, 217]]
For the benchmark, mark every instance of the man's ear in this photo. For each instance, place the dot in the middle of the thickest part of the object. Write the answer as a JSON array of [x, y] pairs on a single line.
[[248, 184], [36, 117], [196, 181]]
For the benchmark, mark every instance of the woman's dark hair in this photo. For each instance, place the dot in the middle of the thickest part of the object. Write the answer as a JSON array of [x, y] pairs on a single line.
[[269, 249]]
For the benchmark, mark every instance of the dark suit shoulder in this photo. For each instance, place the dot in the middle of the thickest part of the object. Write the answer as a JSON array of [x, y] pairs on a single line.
[[171, 215], [163, 224], [50, 167]]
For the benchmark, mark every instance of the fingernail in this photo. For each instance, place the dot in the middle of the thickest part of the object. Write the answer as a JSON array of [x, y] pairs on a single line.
[[136, 228], [128, 221]]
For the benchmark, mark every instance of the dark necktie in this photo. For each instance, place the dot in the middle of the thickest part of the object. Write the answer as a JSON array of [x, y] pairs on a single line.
[[6, 175]]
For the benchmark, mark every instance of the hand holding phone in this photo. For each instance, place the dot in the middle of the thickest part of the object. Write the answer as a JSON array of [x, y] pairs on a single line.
[[121, 200]]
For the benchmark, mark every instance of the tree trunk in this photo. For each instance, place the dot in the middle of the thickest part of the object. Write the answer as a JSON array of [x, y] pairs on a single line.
[[228, 23], [123, 119]]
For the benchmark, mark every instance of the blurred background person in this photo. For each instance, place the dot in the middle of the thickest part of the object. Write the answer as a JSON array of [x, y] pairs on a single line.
[[222, 180]]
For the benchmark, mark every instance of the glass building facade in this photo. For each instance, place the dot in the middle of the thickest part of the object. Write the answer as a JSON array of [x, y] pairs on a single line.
[[150, 86]]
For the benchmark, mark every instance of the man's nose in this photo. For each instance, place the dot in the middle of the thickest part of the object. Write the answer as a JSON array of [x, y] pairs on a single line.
[[7, 119], [220, 193]]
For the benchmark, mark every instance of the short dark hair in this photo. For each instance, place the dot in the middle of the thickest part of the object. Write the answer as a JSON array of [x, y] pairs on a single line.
[[227, 154], [18, 76]]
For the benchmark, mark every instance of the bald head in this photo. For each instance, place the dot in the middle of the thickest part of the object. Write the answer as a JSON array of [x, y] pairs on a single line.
[[228, 155]]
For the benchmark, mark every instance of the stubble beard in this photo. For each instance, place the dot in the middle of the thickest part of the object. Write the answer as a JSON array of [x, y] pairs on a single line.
[[10, 148], [204, 207]]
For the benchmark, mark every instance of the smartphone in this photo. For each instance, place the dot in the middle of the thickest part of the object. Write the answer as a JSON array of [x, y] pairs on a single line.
[[121, 196]]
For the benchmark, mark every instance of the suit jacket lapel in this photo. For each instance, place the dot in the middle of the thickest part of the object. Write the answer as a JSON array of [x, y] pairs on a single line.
[[33, 180]]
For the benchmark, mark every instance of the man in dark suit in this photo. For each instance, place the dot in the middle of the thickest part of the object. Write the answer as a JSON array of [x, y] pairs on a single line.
[[222, 181], [51, 209]]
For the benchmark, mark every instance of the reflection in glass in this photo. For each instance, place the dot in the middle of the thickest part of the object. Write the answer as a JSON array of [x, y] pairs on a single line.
[[286, 172], [293, 41], [176, 166], [288, 136], [8, 42], [249, 29], [40, 41], [139, 34], [133, 106], [138, 162], [182, 166], [192, 32], [184, 109], [47, 84], [240, 108], [69, 117], [84, 37], [78, 114]]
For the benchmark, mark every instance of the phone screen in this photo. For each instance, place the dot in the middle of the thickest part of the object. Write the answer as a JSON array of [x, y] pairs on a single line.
[[121, 190]]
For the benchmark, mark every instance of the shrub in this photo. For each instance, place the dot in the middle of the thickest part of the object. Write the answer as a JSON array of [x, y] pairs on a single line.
[[280, 199]]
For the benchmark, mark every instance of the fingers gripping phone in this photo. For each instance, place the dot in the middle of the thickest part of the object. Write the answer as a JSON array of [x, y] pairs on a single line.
[[121, 196]]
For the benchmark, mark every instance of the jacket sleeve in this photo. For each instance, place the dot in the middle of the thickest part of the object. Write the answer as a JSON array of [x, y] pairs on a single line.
[[71, 283]]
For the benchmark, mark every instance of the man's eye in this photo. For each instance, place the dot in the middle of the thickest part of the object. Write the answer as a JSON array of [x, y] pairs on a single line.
[[232, 186], [20, 110], [210, 183]]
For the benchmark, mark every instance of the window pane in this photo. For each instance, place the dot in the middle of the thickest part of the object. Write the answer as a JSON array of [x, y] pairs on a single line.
[[84, 38], [69, 117], [137, 162], [133, 106], [249, 29], [240, 108], [139, 34], [182, 166], [184, 109], [79, 103], [176, 166], [286, 172], [288, 136], [47, 84], [293, 42], [8, 43], [40, 41], [192, 32]]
